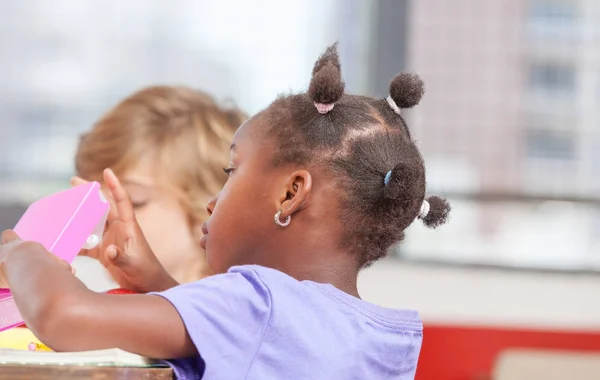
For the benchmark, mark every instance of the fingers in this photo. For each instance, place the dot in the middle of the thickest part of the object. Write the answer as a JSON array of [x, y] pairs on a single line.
[[115, 255], [113, 214], [63, 263], [121, 199], [112, 252], [9, 236]]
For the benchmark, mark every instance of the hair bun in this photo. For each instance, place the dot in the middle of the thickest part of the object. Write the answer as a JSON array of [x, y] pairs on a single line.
[[326, 85], [406, 90], [439, 210]]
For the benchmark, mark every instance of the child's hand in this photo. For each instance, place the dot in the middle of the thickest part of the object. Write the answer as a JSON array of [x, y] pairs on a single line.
[[12, 245], [124, 251]]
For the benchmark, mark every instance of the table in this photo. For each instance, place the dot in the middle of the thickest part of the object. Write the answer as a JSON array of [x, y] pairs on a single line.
[[49, 372]]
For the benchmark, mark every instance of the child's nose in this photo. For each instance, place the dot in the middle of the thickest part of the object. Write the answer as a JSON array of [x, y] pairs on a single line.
[[210, 206]]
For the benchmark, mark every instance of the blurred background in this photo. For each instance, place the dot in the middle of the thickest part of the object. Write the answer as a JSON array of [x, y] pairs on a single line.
[[509, 129]]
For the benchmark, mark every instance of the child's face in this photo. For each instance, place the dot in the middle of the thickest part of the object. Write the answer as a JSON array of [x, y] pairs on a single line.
[[240, 229], [160, 215]]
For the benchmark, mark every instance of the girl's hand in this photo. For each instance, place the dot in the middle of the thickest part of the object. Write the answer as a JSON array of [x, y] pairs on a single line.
[[11, 246], [124, 251], [67, 316]]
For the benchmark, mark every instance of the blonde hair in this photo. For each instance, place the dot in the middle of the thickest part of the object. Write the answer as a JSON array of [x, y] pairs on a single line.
[[187, 130]]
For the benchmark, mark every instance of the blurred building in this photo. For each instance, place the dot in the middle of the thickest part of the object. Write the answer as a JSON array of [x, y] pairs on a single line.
[[513, 91], [510, 111]]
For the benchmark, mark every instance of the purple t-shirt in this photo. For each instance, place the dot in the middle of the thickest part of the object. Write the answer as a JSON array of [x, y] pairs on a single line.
[[259, 323]]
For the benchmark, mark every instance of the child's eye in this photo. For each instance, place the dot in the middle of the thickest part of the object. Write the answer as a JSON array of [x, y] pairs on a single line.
[[228, 171], [138, 205]]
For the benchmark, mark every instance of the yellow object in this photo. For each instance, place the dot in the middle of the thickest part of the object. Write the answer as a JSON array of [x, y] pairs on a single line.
[[17, 338], [38, 347]]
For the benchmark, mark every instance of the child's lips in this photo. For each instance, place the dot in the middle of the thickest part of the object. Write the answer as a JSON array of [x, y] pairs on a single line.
[[205, 236]]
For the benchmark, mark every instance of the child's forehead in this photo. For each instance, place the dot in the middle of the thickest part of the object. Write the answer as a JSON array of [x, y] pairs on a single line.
[[251, 131]]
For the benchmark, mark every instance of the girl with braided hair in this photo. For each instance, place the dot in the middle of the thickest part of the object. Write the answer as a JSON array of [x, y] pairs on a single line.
[[320, 185]]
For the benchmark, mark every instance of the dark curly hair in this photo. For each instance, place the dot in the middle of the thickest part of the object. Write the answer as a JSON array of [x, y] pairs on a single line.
[[367, 147]]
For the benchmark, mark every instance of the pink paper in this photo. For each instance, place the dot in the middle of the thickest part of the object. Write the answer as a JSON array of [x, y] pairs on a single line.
[[63, 223]]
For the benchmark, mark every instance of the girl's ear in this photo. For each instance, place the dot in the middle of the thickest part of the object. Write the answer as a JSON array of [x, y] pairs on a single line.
[[295, 194]]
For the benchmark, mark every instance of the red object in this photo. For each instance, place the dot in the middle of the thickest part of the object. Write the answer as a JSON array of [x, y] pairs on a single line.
[[120, 291], [468, 353]]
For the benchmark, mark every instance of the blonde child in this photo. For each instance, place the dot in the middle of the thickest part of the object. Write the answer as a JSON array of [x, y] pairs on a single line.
[[168, 145]]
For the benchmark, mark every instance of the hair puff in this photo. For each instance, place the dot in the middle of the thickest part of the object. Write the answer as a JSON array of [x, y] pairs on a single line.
[[439, 210], [326, 85], [406, 90]]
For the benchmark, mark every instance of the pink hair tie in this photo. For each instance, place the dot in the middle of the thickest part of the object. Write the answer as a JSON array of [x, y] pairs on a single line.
[[324, 108]]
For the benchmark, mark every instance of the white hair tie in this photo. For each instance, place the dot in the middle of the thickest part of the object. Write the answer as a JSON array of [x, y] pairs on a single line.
[[424, 210], [324, 108], [393, 104]]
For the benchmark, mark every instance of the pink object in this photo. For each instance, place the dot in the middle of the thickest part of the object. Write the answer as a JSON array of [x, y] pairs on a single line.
[[63, 223], [324, 108]]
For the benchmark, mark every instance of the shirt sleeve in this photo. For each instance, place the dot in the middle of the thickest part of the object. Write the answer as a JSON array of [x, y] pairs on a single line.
[[226, 317]]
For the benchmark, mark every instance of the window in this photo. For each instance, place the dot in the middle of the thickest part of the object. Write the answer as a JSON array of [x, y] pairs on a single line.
[[550, 144], [553, 11], [554, 78], [60, 79], [554, 21]]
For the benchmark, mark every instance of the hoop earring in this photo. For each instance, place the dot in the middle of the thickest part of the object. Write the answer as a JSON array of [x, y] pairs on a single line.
[[278, 221]]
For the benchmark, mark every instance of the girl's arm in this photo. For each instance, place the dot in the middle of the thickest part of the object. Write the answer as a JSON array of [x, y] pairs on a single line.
[[66, 316]]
